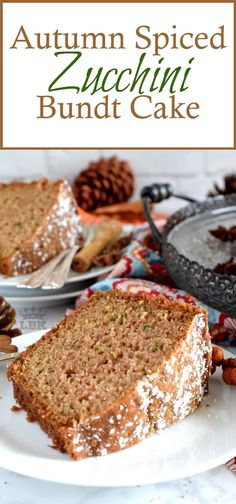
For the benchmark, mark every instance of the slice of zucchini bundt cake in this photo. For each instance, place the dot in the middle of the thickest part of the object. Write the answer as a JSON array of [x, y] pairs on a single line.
[[119, 368]]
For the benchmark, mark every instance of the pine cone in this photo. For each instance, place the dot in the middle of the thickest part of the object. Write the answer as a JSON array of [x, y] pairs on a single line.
[[7, 321], [104, 182], [229, 186]]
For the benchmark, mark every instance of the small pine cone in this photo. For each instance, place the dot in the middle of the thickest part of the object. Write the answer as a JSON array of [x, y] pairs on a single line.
[[7, 316], [104, 182], [7, 321]]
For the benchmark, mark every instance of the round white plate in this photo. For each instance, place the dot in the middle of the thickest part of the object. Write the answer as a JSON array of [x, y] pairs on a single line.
[[27, 294], [72, 277], [49, 300], [203, 440]]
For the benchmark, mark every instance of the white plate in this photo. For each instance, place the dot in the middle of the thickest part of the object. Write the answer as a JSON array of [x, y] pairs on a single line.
[[49, 300], [203, 440], [32, 293], [72, 278]]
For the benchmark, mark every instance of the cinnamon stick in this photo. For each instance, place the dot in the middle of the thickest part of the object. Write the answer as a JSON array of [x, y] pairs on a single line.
[[108, 233], [127, 207]]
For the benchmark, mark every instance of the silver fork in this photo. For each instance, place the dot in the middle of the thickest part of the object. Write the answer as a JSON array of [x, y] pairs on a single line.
[[37, 278], [9, 356], [59, 275], [54, 273], [57, 278]]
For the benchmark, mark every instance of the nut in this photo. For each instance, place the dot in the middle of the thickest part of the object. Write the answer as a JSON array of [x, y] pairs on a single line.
[[229, 363], [213, 368], [5, 340], [229, 375], [8, 348], [217, 356]]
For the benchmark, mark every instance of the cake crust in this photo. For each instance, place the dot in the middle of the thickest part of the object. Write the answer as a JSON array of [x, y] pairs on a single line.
[[153, 402]]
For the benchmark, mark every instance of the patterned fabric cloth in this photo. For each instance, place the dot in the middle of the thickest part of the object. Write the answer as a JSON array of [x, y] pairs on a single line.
[[142, 269], [232, 465]]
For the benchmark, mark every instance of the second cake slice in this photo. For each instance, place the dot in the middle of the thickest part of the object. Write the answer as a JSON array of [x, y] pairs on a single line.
[[37, 221]]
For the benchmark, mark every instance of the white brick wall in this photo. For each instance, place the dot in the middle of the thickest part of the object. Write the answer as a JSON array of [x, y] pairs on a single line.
[[192, 172]]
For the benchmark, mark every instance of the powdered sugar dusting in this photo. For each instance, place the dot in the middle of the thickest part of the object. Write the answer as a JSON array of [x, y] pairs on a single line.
[[160, 399], [188, 374], [61, 230]]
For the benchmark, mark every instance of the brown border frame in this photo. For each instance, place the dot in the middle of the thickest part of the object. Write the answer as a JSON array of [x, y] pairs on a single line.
[[100, 147]]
